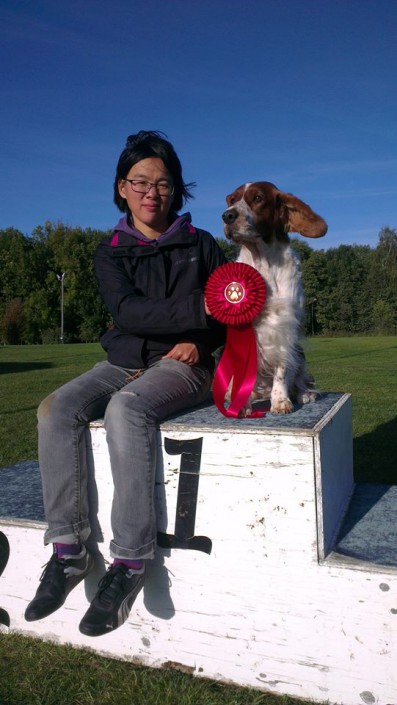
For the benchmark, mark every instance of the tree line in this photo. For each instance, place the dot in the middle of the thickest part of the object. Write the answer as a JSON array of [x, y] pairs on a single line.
[[350, 289]]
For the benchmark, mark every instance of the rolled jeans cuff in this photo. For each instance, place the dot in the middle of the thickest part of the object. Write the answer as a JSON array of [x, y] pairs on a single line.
[[144, 552], [77, 533]]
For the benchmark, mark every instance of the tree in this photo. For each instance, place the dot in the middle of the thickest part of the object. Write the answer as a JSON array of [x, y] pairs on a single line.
[[383, 318], [229, 249], [302, 249], [12, 326], [382, 280], [16, 277], [345, 307], [314, 277], [72, 251]]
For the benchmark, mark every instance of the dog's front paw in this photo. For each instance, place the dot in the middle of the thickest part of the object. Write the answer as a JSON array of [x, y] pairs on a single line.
[[281, 406], [246, 411], [306, 397]]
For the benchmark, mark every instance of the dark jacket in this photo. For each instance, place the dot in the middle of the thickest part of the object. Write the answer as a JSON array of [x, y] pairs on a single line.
[[153, 290]]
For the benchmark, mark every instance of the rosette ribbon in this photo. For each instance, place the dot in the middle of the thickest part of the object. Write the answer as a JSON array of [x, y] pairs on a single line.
[[235, 294]]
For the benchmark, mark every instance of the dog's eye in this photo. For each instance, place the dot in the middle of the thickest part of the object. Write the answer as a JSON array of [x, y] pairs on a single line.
[[231, 200], [258, 198]]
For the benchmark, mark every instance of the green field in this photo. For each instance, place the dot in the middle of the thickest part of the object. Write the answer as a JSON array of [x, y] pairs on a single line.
[[41, 673], [365, 367], [27, 374]]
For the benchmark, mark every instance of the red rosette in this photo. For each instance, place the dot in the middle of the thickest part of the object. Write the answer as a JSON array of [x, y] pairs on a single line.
[[235, 294]]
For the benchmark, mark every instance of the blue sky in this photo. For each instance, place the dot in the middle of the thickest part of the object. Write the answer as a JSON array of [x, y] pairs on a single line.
[[302, 93]]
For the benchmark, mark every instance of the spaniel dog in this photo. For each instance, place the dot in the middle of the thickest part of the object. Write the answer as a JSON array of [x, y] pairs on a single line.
[[258, 219]]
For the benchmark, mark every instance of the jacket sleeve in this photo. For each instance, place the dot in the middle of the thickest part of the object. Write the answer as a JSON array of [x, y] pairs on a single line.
[[143, 316], [213, 257]]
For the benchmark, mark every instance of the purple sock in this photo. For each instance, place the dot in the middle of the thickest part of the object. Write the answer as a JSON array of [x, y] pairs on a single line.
[[67, 549], [136, 566]]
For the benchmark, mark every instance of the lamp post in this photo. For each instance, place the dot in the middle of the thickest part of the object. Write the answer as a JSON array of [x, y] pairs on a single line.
[[61, 278], [312, 302]]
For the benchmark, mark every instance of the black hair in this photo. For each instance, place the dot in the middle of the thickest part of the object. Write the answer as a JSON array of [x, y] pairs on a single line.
[[145, 144]]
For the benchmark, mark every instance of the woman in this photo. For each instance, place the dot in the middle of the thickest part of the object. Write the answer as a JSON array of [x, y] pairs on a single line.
[[151, 274]]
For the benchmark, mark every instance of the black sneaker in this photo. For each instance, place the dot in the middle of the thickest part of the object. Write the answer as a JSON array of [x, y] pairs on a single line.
[[59, 577], [113, 601]]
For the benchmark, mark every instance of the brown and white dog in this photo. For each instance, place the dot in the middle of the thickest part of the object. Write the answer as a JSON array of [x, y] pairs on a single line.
[[258, 219]]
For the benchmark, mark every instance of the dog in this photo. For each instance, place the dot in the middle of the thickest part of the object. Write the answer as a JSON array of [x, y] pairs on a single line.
[[258, 219]]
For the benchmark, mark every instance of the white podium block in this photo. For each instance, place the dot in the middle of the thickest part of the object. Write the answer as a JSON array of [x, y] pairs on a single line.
[[274, 486], [251, 583]]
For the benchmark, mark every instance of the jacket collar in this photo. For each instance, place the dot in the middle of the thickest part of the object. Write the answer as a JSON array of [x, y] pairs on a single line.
[[125, 234]]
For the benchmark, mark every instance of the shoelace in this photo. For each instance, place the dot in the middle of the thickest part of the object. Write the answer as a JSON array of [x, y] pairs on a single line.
[[53, 560], [112, 580]]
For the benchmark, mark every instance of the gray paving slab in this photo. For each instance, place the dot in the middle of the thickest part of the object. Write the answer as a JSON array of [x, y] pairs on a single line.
[[20, 491], [369, 531]]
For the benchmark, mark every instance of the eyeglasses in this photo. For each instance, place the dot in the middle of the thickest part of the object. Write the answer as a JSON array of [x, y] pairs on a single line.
[[163, 188]]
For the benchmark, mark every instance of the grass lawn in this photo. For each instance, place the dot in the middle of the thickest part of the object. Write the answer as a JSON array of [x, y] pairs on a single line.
[[27, 374], [33, 672], [366, 367], [42, 673]]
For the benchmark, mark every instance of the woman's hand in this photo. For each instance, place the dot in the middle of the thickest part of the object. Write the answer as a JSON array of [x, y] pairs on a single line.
[[208, 312], [184, 352]]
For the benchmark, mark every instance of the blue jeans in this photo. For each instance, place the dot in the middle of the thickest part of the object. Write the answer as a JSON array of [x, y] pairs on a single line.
[[132, 403]]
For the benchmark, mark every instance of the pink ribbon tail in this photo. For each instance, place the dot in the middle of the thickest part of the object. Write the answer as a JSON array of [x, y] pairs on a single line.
[[239, 361]]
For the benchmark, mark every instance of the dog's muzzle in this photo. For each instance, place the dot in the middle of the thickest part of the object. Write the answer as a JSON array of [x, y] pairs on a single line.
[[229, 216]]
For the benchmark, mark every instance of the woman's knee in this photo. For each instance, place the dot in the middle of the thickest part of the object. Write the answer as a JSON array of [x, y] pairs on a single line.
[[55, 409], [44, 411], [123, 407]]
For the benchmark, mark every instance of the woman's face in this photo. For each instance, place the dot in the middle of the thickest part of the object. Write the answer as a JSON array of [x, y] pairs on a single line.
[[149, 210]]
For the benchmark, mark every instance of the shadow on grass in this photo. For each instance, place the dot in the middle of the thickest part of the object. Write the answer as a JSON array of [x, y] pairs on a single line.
[[375, 455], [11, 367]]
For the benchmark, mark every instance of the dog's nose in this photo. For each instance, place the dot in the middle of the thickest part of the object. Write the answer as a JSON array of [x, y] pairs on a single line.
[[229, 216]]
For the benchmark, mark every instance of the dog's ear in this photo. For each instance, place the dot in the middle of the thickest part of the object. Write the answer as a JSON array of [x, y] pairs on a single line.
[[297, 217]]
